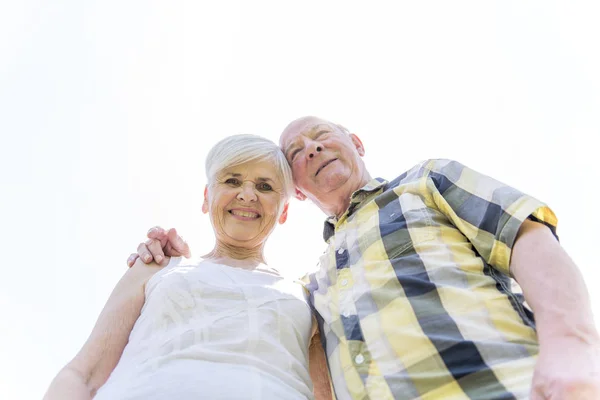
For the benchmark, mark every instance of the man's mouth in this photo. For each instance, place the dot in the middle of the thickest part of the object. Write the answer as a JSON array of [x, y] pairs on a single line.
[[244, 214], [326, 163]]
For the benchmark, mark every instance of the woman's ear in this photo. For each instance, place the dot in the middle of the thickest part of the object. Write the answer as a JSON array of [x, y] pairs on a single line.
[[284, 214], [299, 195], [205, 202]]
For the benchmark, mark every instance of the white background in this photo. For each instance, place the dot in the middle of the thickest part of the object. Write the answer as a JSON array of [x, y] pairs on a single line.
[[107, 110]]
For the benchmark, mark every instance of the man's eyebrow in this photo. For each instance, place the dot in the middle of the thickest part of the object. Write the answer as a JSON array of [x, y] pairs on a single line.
[[290, 148], [265, 180], [319, 129], [319, 133]]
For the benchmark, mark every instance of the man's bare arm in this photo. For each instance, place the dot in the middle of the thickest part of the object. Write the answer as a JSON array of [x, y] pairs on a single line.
[[569, 362], [317, 363]]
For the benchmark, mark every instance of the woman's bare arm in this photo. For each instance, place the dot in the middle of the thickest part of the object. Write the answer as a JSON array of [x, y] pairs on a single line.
[[91, 367]]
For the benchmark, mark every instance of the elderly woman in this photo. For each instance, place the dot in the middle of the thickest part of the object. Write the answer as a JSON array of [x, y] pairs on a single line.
[[225, 327]]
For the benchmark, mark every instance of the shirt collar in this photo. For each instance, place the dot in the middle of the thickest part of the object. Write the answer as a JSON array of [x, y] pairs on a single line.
[[357, 198]]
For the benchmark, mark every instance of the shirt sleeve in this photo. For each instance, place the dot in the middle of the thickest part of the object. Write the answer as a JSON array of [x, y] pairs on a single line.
[[489, 213]]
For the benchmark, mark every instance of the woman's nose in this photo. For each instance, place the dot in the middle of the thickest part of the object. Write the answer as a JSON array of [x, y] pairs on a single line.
[[247, 193]]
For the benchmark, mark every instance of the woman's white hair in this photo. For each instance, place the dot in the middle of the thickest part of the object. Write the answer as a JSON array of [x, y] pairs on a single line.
[[239, 149]]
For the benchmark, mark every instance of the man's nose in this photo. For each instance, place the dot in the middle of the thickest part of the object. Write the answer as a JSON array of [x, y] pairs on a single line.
[[314, 148]]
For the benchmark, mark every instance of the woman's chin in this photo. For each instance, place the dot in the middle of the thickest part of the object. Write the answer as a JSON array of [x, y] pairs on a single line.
[[242, 238], [243, 241]]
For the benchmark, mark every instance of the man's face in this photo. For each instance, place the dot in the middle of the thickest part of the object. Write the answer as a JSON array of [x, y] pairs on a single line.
[[325, 160]]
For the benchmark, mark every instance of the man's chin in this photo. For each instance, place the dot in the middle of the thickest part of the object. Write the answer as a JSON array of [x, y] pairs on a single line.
[[331, 182]]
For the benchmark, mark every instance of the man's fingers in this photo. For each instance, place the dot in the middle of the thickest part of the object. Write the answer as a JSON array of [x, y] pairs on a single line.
[[155, 248], [170, 251], [164, 242], [178, 243], [158, 233], [144, 253], [131, 259], [156, 230]]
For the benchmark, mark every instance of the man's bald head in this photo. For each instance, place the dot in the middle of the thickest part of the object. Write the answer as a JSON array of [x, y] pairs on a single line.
[[326, 161], [300, 124]]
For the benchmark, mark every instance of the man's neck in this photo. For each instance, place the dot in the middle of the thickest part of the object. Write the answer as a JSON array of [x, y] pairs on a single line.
[[337, 203]]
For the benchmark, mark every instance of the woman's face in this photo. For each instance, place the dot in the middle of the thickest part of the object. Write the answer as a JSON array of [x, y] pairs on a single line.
[[244, 203]]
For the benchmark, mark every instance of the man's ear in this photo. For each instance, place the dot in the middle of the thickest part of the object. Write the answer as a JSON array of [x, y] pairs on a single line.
[[284, 214], [358, 144], [299, 195], [205, 202]]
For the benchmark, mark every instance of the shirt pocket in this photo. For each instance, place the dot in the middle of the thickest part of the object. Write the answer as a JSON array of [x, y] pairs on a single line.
[[397, 227]]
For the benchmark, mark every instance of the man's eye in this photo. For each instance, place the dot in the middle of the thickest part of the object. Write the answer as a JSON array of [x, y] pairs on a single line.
[[232, 181], [294, 154], [265, 187]]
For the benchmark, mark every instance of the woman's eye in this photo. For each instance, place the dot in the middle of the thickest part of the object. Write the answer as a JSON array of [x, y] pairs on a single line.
[[232, 181], [265, 187], [294, 154]]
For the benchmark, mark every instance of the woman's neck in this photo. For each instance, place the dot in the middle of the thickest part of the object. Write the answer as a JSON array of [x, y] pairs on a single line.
[[239, 257]]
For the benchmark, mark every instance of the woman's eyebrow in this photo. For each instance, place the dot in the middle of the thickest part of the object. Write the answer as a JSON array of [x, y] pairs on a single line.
[[259, 179]]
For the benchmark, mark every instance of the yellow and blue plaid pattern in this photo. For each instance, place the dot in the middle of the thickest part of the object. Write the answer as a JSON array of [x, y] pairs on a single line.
[[413, 294]]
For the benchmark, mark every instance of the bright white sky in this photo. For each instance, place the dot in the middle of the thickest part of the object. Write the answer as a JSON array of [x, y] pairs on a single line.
[[107, 110]]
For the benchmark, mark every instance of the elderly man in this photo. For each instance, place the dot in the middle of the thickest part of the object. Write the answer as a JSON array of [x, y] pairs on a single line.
[[413, 294]]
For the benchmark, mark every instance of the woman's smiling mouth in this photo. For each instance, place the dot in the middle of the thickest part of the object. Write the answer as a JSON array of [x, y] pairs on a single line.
[[244, 215]]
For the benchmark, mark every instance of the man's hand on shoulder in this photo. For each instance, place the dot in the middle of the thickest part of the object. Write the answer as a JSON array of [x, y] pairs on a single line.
[[160, 243]]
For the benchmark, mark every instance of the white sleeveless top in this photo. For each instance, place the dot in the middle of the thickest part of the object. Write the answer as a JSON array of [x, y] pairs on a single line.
[[212, 331]]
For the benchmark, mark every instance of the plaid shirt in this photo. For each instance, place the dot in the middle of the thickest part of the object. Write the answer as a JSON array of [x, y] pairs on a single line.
[[413, 294]]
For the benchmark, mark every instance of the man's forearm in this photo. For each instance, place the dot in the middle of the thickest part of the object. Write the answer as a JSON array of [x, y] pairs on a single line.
[[318, 370], [552, 285]]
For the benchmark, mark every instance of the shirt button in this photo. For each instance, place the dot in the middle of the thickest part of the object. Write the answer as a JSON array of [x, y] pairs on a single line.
[[344, 282], [359, 359], [341, 251]]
